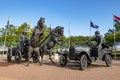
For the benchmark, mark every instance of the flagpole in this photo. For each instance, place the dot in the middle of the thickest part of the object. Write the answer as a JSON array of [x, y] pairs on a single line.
[[90, 32], [5, 35], [69, 34], [115, 42], [50, 25], [93, 26], [114, 37], [30, 28]]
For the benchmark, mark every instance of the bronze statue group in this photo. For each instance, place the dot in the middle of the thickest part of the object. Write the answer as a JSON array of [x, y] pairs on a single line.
[[33, 48], [36, 50]]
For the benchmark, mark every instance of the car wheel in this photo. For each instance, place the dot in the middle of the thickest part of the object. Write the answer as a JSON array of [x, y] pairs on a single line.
[[63, 60], [83, 62], [108, 60]]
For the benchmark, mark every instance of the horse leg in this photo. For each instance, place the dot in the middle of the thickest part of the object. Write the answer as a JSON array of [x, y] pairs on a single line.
[[50, 57], [41, 57], [29, 55], [38, 55]]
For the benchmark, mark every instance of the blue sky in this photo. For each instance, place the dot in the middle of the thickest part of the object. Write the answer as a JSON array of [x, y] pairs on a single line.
[[78, 13]]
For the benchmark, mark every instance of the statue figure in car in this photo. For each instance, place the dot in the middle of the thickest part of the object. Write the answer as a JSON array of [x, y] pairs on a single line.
[[99, 40], [23, 40]]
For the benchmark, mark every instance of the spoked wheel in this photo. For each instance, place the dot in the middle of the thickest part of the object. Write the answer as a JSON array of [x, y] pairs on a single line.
[[17, 57], [8, 57], [83, 62], [63, 60], [108, 60]]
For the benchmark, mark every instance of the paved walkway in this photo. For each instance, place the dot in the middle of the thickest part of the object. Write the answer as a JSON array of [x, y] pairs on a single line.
[[49, 71]]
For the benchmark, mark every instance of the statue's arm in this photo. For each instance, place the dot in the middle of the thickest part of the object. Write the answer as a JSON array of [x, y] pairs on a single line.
[[92, 39]]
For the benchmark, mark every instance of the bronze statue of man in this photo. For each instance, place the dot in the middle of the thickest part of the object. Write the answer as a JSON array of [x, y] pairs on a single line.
[[99, 40], [35, 40], [23, 40]]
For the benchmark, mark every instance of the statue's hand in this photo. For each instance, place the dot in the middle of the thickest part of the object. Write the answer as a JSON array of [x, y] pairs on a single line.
[[99, 47]]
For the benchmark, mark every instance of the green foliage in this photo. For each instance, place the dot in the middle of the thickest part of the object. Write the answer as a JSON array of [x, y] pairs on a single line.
[[117, 53], [109, 39], [77, 40], [109, 36], [13, 34], [117, 26], [46, 31]]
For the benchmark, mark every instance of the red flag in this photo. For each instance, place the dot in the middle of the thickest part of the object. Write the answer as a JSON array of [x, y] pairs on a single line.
[[116, 17]]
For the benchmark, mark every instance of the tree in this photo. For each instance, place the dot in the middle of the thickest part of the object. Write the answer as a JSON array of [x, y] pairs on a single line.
[[109, 36], [13, 34], [117, 26], [78, 40]]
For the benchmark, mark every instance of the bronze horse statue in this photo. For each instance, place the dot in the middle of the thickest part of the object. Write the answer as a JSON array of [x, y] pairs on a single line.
[[35, 40], [50, 41]]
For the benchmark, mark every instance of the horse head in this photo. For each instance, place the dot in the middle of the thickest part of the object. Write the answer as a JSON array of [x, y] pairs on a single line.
[[59, 30]]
